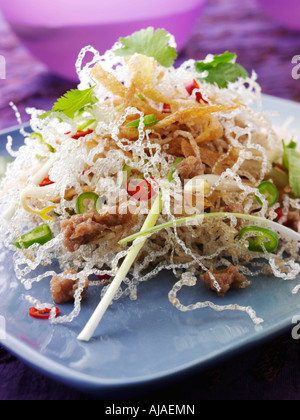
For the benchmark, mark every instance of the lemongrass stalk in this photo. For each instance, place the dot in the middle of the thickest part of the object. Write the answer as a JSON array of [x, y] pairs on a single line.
[[293, 235], [88, 331], [44, 170]]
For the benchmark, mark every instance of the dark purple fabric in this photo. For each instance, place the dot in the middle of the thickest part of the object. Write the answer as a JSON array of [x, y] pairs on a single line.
[[266, 373], [269, 372]]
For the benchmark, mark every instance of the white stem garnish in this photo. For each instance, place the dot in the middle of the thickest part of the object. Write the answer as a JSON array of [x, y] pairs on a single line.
[[88, 331], [285, 231]]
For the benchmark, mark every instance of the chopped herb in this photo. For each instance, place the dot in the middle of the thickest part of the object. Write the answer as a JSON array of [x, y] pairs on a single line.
[[149, 43], [148, 120], [72, 102], [222, 69]]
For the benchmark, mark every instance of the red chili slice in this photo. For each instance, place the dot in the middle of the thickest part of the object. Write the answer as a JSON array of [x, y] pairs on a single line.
[[143, 190], [282, 218], [80, 133], [191, 86], [46, 181], [104, 277], [167, 109], [42, 313]]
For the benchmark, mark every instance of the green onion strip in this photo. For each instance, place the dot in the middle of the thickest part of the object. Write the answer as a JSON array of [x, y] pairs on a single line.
[[150, 221], [295, 236]]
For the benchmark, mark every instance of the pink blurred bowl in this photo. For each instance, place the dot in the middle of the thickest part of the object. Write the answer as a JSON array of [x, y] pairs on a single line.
[[55, 31], [285, 12]]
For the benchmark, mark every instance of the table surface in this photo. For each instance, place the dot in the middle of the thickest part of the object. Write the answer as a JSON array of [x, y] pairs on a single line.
[[271, 371]]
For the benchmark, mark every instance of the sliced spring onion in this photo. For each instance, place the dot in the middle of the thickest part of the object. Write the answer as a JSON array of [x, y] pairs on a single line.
[[259, 238], [40, 235], [37, 136], [91, 196], [291, 234], [291, 161], [270, 191], [150, 221], [87, 124], [141, 97], [51, 148], [148, 120]]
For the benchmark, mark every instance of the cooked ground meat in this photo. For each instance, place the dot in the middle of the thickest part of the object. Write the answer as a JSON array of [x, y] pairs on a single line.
[[190, 167], [293, 220], [63, 289], [230, 278], [85, 228], [234, 208]]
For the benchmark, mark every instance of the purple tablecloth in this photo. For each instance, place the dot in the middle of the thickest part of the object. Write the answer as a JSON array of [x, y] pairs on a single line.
[[269, 372]]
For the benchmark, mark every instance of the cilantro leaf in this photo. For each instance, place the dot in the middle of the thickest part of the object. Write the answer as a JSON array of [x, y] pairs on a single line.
[[291, 161], [72, 101], [149, 43], [222, 69], [224, 58]]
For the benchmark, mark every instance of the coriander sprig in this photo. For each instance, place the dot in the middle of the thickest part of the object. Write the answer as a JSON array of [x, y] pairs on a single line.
[[150, 43], [72, 101], [221, 70]]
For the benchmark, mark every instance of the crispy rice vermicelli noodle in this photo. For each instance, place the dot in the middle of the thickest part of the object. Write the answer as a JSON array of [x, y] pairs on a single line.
[[222, 136]]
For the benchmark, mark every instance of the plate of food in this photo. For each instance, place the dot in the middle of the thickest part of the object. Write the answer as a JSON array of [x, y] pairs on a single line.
[[149, 220]]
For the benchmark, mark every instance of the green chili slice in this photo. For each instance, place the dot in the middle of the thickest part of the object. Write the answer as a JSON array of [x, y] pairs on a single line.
[[91, 196], [39, 235], [148, 120], [260, 239], [37, 136], [269, 189]]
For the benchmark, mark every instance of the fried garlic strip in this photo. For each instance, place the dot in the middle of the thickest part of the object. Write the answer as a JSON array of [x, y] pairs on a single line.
[[192, 115], [111, 83], [108, 80], [142, 70], [213, 130], [131, 91]]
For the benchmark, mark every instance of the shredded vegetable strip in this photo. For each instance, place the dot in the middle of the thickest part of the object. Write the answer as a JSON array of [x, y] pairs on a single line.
[[150, 221], [295, 236]]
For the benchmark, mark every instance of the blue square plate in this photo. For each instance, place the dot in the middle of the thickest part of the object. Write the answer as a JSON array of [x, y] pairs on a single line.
[[147, 342]]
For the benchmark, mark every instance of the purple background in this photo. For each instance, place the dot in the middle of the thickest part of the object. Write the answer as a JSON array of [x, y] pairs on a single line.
[[268, 372]]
